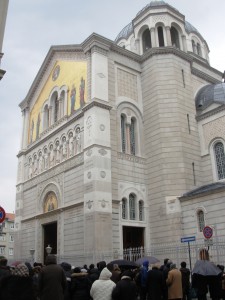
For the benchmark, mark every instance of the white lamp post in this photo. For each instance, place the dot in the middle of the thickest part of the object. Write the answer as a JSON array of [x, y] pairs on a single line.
[[32, 251], [48, 249]]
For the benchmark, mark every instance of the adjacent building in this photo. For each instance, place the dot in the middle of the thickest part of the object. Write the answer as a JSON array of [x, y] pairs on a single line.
[[122, 143], [3, 14], [7, 237]]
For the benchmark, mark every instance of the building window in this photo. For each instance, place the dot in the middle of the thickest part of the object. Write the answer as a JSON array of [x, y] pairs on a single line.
[[160, 36], [141, 210], [12, 226], [124, 208], [123, 133], [146, 40], [220, 160], [193, 46], [174, 37], [199, 52], [11, 239], [10, 251], [201, 220], [132, 206], [132, 137], [46, 117], [56, 112], [2, 250], [2, 237]]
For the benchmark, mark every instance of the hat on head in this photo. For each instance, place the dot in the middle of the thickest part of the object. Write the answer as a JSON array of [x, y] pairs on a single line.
[[20, 270]]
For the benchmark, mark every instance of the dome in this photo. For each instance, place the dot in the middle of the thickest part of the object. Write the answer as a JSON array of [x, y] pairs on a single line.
[[128, 29], [211, 93]]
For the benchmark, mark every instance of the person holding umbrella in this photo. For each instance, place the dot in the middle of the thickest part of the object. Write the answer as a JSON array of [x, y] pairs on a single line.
[[206, 275]]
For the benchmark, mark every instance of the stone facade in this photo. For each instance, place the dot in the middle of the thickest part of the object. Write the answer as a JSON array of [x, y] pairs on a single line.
[[117, 164]]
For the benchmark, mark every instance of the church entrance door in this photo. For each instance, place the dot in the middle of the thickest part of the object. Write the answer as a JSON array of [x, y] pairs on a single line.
[[50, 237], [133, 237]]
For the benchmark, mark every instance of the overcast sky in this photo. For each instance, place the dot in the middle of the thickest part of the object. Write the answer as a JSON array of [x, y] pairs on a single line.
[[32, 26]]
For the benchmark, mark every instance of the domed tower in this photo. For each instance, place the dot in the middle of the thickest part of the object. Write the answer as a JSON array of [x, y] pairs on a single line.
[[159, 24]]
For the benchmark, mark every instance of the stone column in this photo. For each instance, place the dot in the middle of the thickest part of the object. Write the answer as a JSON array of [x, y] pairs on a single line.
[[168, 36], [184, 43], [153, 37], [25, 130]]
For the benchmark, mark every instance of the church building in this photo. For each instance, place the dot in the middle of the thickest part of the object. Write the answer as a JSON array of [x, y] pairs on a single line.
[[122, 144]]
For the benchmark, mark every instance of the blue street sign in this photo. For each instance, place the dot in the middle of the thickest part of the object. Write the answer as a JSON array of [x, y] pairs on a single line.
[[188, 239]]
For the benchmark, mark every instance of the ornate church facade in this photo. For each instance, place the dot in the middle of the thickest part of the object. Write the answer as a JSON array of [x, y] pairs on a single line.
[[122, 143]]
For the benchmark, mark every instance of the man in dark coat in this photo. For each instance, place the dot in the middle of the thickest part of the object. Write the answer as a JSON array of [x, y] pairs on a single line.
[[4, 269], [52, 280], [126, 288], [155, 283], [185, 272], [80, 285]]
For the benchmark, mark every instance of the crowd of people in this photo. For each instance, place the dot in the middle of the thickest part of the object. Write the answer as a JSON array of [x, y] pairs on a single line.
[[53, 281]]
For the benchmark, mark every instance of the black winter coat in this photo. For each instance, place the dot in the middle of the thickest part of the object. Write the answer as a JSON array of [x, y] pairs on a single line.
[[80, 286], [15, 287], [156, 284], [125, 289]]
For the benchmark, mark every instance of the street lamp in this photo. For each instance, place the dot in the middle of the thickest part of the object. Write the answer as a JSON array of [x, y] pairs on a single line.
[[48, 249]]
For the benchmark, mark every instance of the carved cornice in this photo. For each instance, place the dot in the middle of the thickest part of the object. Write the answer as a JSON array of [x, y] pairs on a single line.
[[96, 102], [52, 213], [204, 76], [210, 113], [128, 157]]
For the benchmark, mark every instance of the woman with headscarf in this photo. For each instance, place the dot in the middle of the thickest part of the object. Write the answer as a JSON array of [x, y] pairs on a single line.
[[18, 285]]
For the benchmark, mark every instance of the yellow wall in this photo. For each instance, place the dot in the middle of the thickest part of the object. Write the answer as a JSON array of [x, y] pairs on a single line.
[[70, 74]]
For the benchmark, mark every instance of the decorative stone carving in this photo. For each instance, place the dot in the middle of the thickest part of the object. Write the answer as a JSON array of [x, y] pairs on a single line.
[[89, 125], [103, 174], [103, 203], [102, 151], [51, 156], [102, 127], [77, 140], [89, 204], [89, 152], [64, 148], [71, 144], [40, 162], [89, 175], [57, 150]]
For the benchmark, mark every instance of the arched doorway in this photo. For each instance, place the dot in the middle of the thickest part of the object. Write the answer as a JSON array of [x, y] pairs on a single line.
[[50, 237]]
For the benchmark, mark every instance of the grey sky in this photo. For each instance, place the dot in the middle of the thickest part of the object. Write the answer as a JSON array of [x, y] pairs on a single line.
[[33, 26]]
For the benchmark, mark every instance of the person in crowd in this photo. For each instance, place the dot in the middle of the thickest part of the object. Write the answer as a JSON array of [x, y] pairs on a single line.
[[165, 268], [36, 271], [143, 280], [18, 285], [185, 273], [102, 288], [155, 283], [174, 283], [93, 273], [222, 291], [126, 288], [101, 265], [208, 281], [67, 268], [80, 285], [116, 272], [4, 268], [52, 280]]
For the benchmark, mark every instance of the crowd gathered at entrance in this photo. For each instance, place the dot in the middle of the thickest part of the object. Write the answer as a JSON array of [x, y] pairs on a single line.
[[53, 281]]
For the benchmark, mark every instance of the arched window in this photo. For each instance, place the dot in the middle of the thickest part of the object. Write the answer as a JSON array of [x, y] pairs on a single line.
[[132, 207], [160, 36], [146, 40], [201, 220], [123, 133], [132, 137], [124, 208], [141, 210], [46, 117], [61, 103], [175, 37], [220, 160], [56, 111], [199, 52], [193, 46]]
